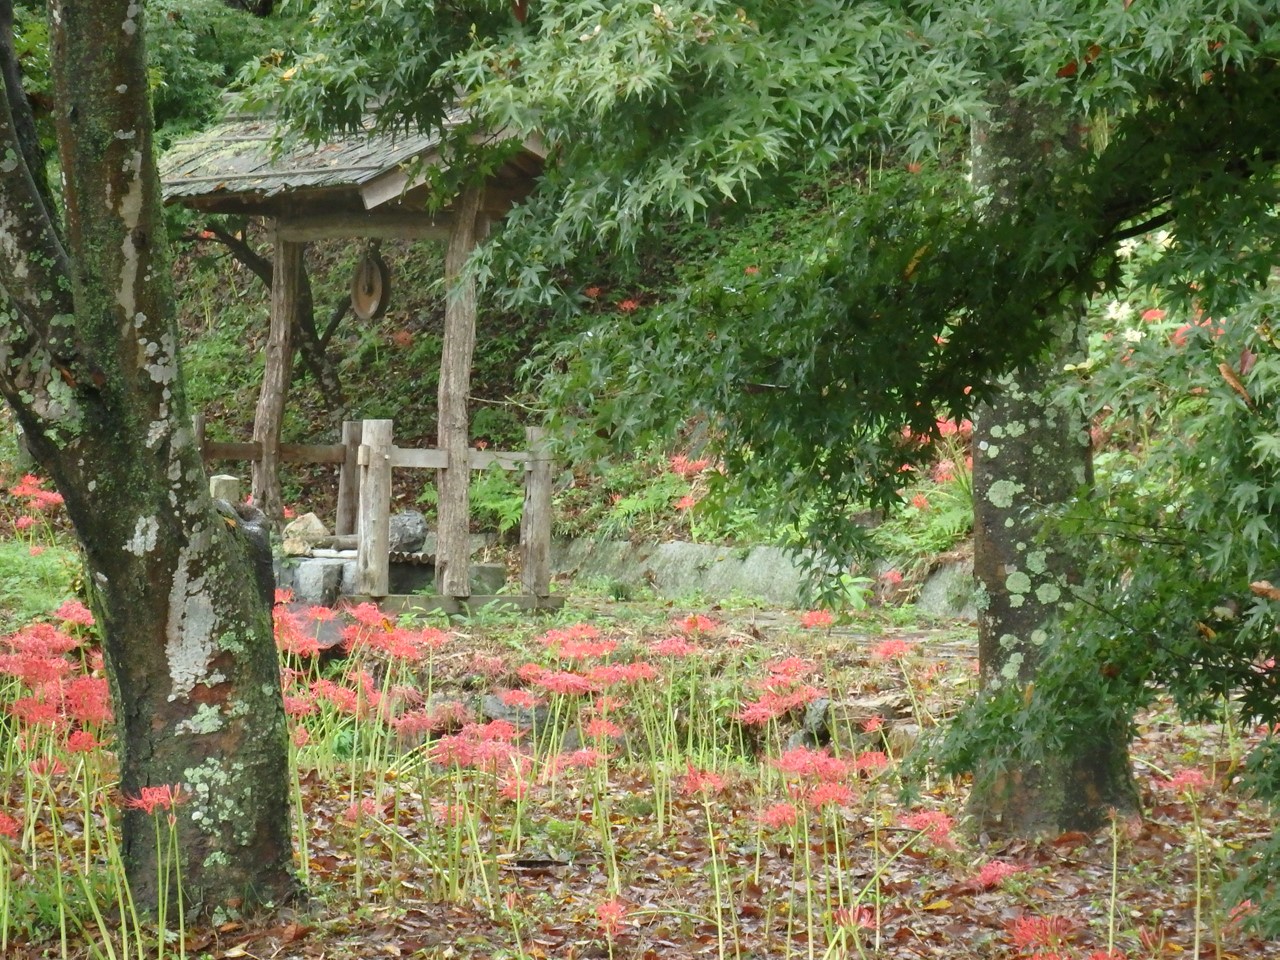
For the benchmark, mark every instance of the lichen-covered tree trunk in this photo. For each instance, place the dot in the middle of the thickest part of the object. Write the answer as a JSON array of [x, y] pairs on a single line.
[[1031, 452], [90, 367]]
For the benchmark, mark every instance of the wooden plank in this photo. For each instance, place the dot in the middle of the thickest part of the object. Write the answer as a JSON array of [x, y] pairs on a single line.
[[535, 522], [453, 576], [348, 480], [286, 279], [382, 225], [373, 516], [415, 603], [420, 459], [288, 452], [484, 459]]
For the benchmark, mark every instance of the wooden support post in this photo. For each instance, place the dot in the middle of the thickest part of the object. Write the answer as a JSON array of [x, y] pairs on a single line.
[[285, 288], [373, 520], [453, 575], [349, 480], [535, 522]]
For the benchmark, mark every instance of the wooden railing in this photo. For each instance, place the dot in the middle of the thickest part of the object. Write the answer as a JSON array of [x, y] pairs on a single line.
[[365, 458]]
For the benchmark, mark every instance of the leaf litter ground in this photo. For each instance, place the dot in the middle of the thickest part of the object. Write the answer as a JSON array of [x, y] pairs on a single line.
[[636, 781]]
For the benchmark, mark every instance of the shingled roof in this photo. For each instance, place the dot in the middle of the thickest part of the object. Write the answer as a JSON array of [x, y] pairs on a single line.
[[237, 167]]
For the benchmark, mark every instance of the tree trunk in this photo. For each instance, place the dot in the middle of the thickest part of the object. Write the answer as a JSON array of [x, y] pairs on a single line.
[[92, 373], [453, 577], [1032, 451], [277, 370]]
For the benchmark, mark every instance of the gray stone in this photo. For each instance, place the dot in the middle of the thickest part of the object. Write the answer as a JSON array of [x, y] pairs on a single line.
[[488, 578], [407, 532], [523, 718], [223, 486], [317, 581], [948, 591], [301, 534]]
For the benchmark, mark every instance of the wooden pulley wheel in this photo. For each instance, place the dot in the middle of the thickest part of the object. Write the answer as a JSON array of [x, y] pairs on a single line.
[[370, 286]]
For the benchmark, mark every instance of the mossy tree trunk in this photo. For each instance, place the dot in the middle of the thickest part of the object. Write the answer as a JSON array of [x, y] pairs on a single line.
[[1032, 451], [91, 369]]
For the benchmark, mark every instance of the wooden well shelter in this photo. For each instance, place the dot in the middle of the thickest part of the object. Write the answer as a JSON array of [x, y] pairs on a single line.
[[366, 185]]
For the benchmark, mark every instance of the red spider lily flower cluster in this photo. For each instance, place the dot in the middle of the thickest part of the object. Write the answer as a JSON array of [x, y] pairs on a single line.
[[855, 917], [75, 613], [609, 917], [933, 824], [150, 799], [1188, 781], [482, 746], [894, 649], [696, 624], [687, 468], [1034, 933], [9, 826], [701, 783], [782, 690], [675, 646], [815, 619], [993, 873], [779, 816], [56, 699], [29, 489]]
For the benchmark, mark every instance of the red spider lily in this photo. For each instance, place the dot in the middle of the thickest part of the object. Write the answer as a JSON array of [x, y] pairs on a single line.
[[687, 502], [301, 736], [33, 669], [73, 611], [365, 807], [566, 683], [1188, 781], [993, 873], [870, 761], [9, 826], [300, 706], [629, 306], [47, 767], [609, 917], [934, 824], [608, 675], [696, 623], [687, 468], [830, 794], [87, 700], [855, 917], [891, 578], [343, 698], [25, 522], [290, 635], [150, 799], [891, 649], [791, 668], [36, 711], [808, 764], [674, 646], [599, 728], [814, 619], [779, 815], [522, 699], [585, 759], [81, 741], [586, 649], [1035, 932], [368, 615], [872, 724], [41, 639], [701, 782]]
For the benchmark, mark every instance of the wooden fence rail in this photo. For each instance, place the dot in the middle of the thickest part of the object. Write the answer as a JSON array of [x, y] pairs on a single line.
[[365, 458]]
